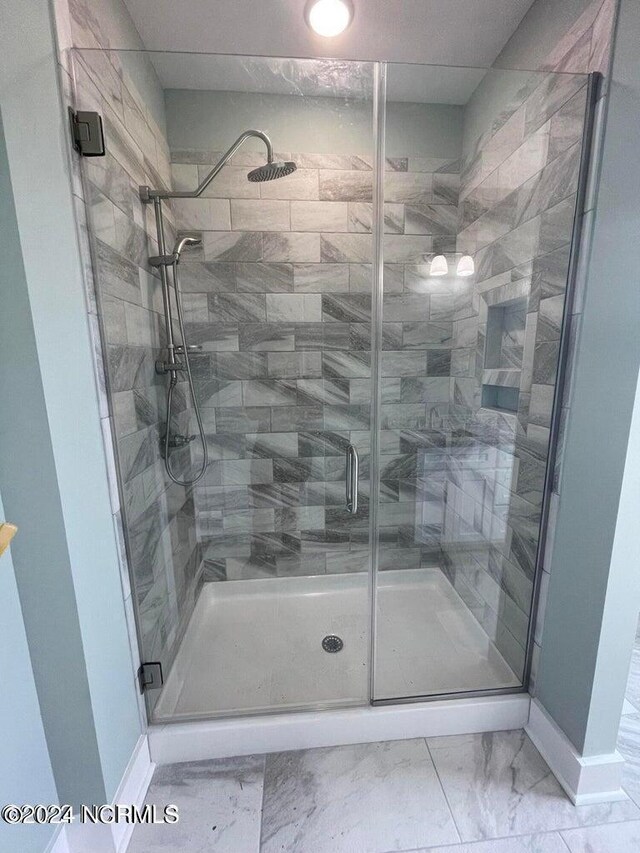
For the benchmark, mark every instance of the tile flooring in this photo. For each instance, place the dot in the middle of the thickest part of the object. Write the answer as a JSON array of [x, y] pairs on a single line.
[[487, 793]]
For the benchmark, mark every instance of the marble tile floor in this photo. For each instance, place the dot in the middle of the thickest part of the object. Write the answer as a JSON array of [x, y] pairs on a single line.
[[490, 793], [487, 793], [256, 645]]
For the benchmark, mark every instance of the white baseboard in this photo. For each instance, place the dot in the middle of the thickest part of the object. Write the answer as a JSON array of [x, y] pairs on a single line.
[[132, 790], [305, 730], [595, 779]]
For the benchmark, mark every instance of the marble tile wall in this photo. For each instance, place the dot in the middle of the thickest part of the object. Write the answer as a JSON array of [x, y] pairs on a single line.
[[279, 299], [516, 212], [415, 381], [155, 517], [159, 515]]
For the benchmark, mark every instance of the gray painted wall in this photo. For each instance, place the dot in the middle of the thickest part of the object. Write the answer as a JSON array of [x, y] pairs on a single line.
[[593, 600], [26, 769], [52, 464], [212, 120], [32, 500], [619, 620]]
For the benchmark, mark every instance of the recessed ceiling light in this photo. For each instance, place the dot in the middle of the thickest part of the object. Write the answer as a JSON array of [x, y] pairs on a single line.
[[329, 17]]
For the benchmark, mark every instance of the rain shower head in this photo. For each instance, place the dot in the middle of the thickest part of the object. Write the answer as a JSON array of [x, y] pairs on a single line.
[[271, 171]]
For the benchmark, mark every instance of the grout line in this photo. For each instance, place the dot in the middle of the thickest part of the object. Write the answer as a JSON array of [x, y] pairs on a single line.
[[446, 798], [544, 833], [477, 841], [636, 802], [562, 839], [264, 783]]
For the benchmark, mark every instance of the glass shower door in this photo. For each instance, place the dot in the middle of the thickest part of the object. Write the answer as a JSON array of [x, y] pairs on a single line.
[[281, 304], [479, 201], [247, 584]]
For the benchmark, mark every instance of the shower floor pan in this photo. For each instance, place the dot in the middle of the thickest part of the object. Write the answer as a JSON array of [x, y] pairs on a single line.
[[256, 645]]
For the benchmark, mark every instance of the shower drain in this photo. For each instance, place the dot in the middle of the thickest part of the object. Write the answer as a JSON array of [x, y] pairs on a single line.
[[332, 644]]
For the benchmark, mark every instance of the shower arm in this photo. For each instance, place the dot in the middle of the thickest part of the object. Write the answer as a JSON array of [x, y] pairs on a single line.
[[148, 195]]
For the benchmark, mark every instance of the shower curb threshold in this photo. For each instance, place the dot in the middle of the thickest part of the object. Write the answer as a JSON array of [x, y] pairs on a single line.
[[225, 738]]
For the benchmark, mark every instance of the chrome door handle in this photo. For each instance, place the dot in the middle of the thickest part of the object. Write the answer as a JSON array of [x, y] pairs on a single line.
[[353, 464]]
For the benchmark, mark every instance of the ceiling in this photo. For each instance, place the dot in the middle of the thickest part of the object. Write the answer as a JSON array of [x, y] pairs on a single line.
[[438, 32], [314, 77]]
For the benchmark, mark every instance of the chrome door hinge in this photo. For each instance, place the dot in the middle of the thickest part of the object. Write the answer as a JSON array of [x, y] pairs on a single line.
[[87, 134], [150, 676]]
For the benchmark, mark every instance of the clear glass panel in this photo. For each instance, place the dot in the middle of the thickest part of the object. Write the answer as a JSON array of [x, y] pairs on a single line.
[[238, 579], [481, 165]]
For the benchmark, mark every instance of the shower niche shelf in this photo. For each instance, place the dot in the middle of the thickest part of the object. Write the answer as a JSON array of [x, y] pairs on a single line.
[[503, 355], [500, 398]]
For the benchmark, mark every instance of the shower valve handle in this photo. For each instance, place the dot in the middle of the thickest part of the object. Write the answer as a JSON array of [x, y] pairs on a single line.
[[163, 367], [178, 440]]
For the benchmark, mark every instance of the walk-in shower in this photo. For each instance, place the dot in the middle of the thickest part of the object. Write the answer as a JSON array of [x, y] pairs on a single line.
[[171, 440], [364, 450]]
